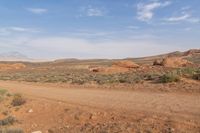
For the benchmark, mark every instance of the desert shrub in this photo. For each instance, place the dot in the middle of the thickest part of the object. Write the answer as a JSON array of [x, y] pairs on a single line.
[[5, 113], [8, 95], [18, 100], [187, 71], [190, 72], [1, 98], [129, 78], [123, 80], [169, 77], [11, 130], [196, 76], [3, 92], [151, 76], [7, 121], [78, 81], [102, 79]]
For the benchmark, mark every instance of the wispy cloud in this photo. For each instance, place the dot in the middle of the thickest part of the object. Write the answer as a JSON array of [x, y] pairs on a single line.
[[37, 10], [184, 17], [91, 11], [14, 29], [94, 12], [178, 18], [22, 29], [145, 12]]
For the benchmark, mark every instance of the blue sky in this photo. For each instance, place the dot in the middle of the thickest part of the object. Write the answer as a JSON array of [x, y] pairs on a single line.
[[52, 29]]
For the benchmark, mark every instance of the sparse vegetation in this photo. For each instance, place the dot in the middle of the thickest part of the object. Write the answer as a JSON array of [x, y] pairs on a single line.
[[190, 72], [2, 94], [5, 113], [196, 76], [83, 76], [11, 130], [151, 76], [7, 121], [169, 77], [74, 73], [18, 100]]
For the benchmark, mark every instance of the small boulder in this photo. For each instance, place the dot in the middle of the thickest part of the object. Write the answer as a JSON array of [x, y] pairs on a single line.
[[30, 111], [157, 62], [37, 132]]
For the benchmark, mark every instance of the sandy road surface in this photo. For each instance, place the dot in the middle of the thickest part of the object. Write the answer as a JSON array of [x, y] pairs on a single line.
[[184, 105]]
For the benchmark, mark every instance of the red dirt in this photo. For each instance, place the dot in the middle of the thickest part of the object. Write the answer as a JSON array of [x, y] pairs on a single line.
[[82, 110]]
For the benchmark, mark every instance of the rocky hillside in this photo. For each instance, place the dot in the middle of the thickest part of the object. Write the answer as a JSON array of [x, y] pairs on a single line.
[[192, 55]]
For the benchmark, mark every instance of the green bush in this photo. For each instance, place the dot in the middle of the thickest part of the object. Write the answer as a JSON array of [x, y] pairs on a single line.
[[170, 77], [18, 100]]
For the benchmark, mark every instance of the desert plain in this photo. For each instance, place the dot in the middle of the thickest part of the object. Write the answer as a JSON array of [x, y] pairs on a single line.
[[134, 95]]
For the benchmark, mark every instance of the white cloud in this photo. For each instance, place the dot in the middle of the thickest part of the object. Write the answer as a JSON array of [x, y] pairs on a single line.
[[94, 12], [184, 17], [91, 11], [37, 10], [14, 29], [22, 29], [179, 18], [145, 12]]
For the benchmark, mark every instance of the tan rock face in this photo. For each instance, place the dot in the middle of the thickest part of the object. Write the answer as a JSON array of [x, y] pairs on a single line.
[[117, 67], [175, 62]]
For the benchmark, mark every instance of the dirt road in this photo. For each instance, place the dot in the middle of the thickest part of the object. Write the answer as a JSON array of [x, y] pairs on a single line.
[[183, 105]]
